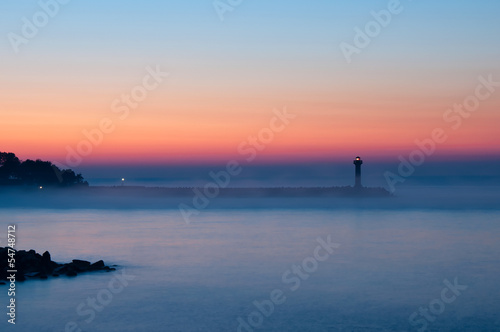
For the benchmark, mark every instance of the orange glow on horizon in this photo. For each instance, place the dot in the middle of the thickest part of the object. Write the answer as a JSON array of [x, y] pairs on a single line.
[[185, 128]]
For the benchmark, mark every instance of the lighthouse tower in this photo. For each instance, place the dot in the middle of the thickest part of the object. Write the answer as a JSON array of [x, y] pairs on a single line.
[[357, 182]]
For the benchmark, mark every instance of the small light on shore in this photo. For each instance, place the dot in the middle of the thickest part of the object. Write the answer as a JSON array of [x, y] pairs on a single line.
[[41, 187]]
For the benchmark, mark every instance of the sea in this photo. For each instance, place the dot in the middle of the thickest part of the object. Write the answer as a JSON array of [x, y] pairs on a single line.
[[432, 266]]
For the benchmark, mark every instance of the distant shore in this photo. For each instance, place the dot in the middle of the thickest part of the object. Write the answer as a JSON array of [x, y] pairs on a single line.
[[346, 191], [138, 197], [129, 197]]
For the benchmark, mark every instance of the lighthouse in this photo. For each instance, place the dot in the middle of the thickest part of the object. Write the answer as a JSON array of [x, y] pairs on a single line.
[[357, 179]]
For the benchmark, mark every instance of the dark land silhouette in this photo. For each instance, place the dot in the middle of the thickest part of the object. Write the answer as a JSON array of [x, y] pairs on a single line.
[[34, 175], [14, 172]]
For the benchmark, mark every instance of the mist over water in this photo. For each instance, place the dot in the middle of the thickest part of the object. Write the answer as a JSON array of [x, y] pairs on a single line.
[[463, 197], [394, 256], [481, 172]]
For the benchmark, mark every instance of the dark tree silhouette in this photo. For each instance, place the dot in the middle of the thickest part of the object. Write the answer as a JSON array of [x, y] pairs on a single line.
[[9, 167], [69, 178], [35, 173]]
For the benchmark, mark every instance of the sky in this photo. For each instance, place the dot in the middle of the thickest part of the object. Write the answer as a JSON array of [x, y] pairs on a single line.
[[224, 72]]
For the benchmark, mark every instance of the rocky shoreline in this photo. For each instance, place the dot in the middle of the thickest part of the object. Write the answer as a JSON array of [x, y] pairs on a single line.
[[32, 265]]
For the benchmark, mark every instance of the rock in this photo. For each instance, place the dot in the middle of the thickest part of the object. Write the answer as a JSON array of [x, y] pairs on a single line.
[[71, 273], [99, 265], [46, 258], [28, 261], [31, 274], [80, 265], [61, 269], [30, 264]]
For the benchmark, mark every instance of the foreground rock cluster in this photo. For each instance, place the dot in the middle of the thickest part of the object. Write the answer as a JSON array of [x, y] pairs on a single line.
[[30, 264]]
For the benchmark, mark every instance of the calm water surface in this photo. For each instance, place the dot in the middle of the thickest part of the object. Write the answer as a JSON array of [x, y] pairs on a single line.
[[206, 275]]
